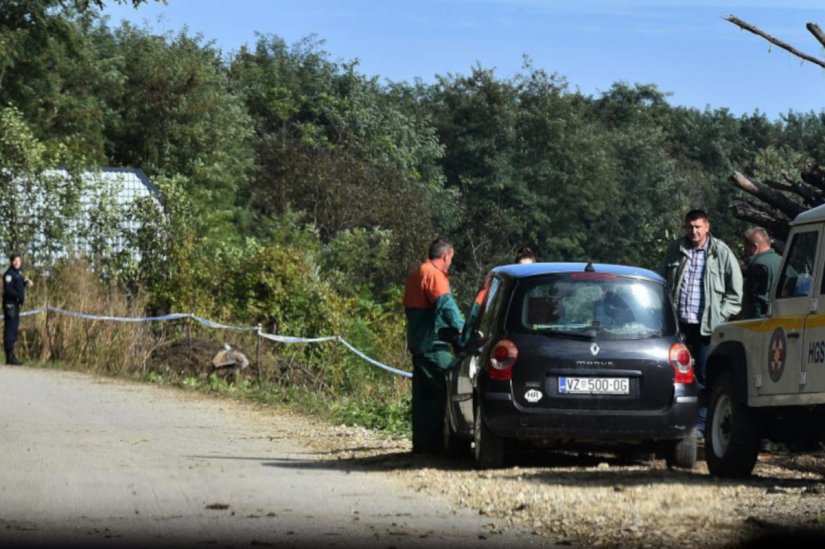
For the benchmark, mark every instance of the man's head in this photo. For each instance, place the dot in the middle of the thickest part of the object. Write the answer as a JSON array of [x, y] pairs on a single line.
[[697, 227], [442, 252], [525, 255], [15, 260], [757, 241]]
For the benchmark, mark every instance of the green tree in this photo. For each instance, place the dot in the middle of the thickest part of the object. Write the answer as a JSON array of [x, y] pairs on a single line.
[[173, 114], [337, 146], [38, 206], [50, 71]]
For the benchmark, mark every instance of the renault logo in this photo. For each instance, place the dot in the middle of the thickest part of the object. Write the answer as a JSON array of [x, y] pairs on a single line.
[[594, 349]]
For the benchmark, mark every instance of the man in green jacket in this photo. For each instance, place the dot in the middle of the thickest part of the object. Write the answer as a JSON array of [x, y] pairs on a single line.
[[429, 306], [706, 286], [761, 272]]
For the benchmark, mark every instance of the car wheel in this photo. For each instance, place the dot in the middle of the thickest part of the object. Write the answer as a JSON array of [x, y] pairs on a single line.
[[682, 453], [452, 445], [731, 438], [488, 449]]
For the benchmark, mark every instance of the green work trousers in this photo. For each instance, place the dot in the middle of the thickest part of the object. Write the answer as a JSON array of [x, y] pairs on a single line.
[[429, 393]]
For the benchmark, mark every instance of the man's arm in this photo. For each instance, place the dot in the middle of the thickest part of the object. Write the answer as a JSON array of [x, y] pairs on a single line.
[[447, 310], [732, 297]]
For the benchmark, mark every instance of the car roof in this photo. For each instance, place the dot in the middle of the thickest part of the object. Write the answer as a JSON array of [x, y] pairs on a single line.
[[525, 270], [810, 216]]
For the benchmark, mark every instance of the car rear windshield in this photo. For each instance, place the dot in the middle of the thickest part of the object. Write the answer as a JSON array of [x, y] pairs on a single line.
[[593, 304]]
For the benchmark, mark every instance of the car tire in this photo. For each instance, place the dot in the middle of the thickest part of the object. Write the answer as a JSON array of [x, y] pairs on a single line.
[[452, 445], [682, 453], [488, 448], [731, 434]]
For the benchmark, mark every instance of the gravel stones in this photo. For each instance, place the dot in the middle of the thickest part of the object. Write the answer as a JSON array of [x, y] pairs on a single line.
[[598, 500]]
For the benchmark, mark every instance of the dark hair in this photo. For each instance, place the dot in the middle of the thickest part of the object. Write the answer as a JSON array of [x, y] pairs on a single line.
[[13, 256], [693, 215], [524, 253], [438, 248]]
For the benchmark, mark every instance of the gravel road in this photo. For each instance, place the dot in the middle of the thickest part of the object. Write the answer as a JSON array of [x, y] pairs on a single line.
[[87, 461], [94, 461]]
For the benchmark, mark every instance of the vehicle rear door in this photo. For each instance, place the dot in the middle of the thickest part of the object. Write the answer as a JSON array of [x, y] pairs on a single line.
[[591, 341]]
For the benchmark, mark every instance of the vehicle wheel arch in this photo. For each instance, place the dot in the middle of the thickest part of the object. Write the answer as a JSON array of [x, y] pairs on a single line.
[[729, 355]]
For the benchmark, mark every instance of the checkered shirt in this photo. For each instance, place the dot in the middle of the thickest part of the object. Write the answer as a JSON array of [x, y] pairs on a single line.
[[691, 294]]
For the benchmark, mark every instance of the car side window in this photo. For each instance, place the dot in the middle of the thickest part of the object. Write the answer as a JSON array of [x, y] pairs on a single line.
[[490, 308], [797, 274]]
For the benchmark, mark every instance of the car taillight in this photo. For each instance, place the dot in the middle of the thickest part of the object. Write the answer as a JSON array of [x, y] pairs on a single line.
[[502, 358], [682, 363]]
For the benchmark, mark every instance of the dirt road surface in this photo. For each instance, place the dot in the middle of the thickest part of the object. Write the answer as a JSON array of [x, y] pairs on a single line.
[[88, 462], [95, 462]]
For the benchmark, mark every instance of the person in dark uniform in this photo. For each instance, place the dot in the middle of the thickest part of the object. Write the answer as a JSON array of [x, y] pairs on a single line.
[[14, 294]]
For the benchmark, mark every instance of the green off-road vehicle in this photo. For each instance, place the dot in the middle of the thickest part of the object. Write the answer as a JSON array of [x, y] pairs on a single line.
[[766, 377]]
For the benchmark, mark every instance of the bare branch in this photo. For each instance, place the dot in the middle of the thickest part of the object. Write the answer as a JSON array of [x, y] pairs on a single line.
[[750, 28], [817, 32]]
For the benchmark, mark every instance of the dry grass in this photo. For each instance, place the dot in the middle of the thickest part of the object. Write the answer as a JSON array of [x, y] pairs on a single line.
[[100, 346]]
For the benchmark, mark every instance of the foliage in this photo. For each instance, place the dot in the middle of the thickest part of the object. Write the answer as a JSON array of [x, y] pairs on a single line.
[[332, 143], [38, 205], [173, 114], [298, 192]]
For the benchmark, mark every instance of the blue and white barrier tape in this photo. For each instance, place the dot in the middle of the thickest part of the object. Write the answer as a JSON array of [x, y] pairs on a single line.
[[173, 316], [211, 324], [373, 361], [291, 339]]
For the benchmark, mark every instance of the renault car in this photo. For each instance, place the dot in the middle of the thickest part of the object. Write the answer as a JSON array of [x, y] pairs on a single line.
[[566, 355]]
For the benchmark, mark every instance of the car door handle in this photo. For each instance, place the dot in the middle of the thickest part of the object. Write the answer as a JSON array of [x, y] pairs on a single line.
[[793, 335]]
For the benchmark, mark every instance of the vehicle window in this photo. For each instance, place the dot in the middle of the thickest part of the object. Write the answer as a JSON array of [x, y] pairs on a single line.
[[490, 308], [796, 277], [616, 307]]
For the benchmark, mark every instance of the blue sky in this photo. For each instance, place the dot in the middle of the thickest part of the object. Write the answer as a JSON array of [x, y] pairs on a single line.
[[684, 47]]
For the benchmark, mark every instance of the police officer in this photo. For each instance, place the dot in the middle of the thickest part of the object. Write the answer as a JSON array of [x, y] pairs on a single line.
[[14, 294]]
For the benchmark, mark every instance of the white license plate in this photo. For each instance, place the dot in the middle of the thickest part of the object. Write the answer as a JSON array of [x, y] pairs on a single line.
[[594, 385]]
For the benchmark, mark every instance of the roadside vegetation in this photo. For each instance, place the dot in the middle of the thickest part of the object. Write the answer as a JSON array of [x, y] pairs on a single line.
[[298, 192]]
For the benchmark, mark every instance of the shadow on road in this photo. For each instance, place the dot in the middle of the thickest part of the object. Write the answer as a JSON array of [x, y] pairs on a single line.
[[554, 467]]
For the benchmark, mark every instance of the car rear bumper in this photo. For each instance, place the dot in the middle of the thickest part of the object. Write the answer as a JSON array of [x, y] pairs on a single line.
[[673, 422]]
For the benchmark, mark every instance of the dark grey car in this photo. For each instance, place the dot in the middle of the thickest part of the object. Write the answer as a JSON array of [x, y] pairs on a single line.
[[569, 355]]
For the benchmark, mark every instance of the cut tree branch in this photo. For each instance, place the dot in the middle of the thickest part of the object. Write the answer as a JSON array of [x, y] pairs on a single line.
[[777, 227], [750, 28], [813, 175], [812, 197], [817, 32], [770, 196]]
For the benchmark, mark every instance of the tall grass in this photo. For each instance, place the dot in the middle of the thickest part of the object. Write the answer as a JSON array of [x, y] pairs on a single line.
[[323, 379], [98, 346]]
